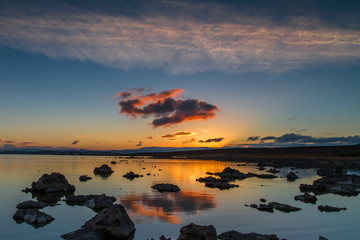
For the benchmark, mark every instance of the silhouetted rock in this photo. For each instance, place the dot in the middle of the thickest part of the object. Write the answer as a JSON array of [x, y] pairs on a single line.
[[265, 208], [197, 232], [220, 185], [131, 175], [84, 178], [291, 176], [283, 207], [307, 198], [253, 205], [322, 238], [113, 162], [327, 208], [212, 179], [273, 170], [111, 222], [262, 200], [233, 174], [33, 217], [162, 237], [30, 204], [234, 235], [53, 183], [166, 187], [95, 202], [104, 170]]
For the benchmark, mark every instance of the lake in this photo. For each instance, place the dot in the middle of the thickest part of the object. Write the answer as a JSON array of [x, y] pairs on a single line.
[[155, 214]]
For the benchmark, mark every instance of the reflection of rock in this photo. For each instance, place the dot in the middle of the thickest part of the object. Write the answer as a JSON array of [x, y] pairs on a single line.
[[196, 232], [166, 187], [33, 217], [266, 176], [111, 222], [291, 176], [95, 202], [306, 198], [220, 185], [234, 235], [84, 178], [53, 183], [327, 208], [131, 175], [30, 204], [103, 171], [212, 179]]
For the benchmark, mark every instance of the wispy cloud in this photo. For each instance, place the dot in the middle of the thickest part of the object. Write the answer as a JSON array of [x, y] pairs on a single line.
[[211, 140], [182, 42], [253, 138], [139, 144], [178, 134], [27, 143], [75, 142], [189, 141], [150, 137]]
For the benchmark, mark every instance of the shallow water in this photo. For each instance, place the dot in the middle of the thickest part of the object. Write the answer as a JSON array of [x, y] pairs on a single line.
[[157, 213]]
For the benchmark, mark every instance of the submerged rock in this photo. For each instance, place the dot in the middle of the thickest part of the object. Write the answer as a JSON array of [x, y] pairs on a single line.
[[291, 176], [197, 232], [32, 216], [111, 222], [306, 198], [103, 171], [31, 204], [327, 208], [131, 175], [84, 178], [166, 187], [235, 235], [95, 202], [53, 183]]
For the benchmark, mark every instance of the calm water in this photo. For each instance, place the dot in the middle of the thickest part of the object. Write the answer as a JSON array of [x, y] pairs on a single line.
[[164, 213]]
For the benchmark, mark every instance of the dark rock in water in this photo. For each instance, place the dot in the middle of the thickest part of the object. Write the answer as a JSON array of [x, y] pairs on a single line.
[[220, 185], [33, 217], [131, 175], [212, 179], [265, 208], [283, 207], [30, 204], [322, 238], [166, 187], [273, 170], [306, 198], [291, 176], [233, 174], [113, 162], [253, 205], [266, 176], [262, 200], [331, 170], [234, 235], [162, 237], [53, 183], [327, 208], [84, 178], [104, 170], [111, 222], [95, 202], [148, 174], [197, 232]]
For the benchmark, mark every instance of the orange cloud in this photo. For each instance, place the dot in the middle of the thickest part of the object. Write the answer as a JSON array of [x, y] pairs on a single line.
[[178, 134]]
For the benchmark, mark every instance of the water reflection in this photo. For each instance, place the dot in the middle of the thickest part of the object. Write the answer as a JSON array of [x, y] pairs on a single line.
[[167, 206]]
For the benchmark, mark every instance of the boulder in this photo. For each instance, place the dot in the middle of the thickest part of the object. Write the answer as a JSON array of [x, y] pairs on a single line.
[[166, 187], [103, 171], [111, 222], [235, 235], [291, 176], [31, 204], [197, 232], [131, 175], [265, 208], [84, 178], [32, 216], [53, 183], [283, 207], [327, 208], [306, 198]]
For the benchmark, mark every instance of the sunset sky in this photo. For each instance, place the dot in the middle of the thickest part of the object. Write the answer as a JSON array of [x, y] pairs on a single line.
[[130, 74]]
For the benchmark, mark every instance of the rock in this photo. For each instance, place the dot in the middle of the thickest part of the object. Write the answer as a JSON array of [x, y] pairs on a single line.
[[273, 170], [253, 205], [265, 208], [53, 183], [306, 198], [234, 235], [103, 171], [266, 176], [283, 207], [111, 222], [220, 185], [32, 216], [113, 162], [322, 238], [212, 179], [262, 200], [197, 232], [166, 187], [233, 174], [131, 175], [30, 204], [291, 176], [95, 202], [84, 178], [327, 208], [162, 237]]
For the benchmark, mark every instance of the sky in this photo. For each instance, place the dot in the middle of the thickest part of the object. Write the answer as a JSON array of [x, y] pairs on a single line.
[[112, 75]]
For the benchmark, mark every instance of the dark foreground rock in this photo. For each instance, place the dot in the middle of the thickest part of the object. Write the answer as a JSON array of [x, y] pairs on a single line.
[[32, 216], [111, 222], [31, 204], [306, 198], [95, 202], [234, 235], [103, 171], [131, 175], [84, 178], [327, 208], [166, 187], [53, 183], [197, 232], [291, 176]]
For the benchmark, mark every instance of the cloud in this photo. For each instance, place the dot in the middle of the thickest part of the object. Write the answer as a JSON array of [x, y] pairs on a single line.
[[211, 140], [130, 141], [75, 142], [178, 134], [150, 137], [139, 144], [27, 143], [292, 119], [298, 130], [189, 141], [9, 146], [253, 138], [165, 107], [180, 37]]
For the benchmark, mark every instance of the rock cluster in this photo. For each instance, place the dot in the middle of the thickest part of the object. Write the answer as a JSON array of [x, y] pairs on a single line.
[[197, 232], [131, 175], [275, 205], [306, 198], [234, 235], [53, 183], [103, 171]]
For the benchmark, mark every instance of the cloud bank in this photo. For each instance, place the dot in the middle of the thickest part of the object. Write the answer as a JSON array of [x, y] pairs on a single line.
[[165, 106], [178, 37], [210, 140]]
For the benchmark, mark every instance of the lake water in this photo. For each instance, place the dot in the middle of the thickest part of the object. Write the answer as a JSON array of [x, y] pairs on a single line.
[[157, 213]]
